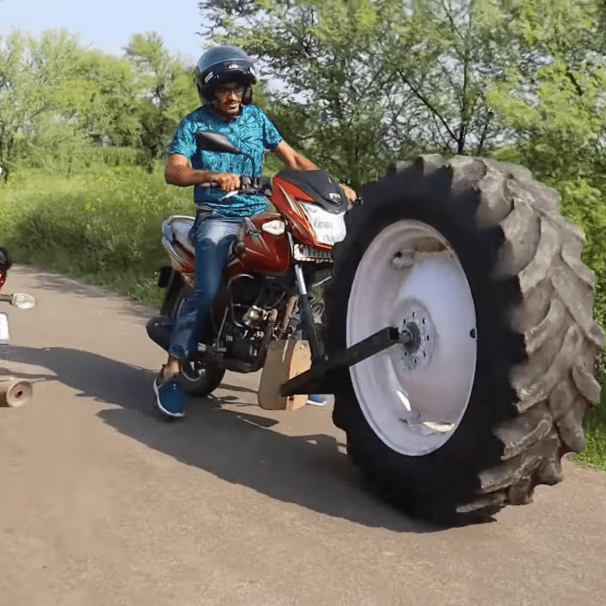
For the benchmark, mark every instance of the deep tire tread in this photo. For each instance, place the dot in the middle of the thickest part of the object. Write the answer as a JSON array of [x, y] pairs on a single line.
[[545, 382]]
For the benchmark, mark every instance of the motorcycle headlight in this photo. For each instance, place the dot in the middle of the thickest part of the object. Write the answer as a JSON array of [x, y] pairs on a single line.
[[328, 228]]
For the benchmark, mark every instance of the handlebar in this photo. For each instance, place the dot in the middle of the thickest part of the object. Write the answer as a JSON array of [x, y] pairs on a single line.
[[255, 185], [249, 185]]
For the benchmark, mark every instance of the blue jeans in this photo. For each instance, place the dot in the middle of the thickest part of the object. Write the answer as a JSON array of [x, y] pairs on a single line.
[[211, 235]]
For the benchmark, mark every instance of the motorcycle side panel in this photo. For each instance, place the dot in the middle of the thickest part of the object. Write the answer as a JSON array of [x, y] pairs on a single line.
[[181, 259]]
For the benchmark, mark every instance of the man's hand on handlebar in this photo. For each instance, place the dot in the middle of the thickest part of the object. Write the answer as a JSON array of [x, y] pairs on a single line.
[[228, 181], [349, 193]]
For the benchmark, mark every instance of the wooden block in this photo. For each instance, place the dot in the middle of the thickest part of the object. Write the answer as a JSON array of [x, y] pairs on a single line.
[[14, 392], [285, 359]]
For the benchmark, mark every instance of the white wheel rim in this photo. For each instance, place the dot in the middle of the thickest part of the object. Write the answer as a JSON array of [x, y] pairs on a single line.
[[414, 396]]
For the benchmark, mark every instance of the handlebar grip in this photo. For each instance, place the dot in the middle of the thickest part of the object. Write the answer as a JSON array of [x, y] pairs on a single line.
[[248, 184]]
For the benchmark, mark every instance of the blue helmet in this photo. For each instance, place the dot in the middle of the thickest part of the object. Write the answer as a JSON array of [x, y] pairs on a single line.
[[220, 64]]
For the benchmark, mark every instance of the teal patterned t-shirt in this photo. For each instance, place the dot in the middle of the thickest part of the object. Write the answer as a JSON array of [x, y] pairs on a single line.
[[252, 131]]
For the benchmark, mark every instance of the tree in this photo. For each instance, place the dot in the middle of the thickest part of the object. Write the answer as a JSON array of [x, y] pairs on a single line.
[[336, 102], [59, 102], [447, 53], [101, 99], [552, 92], [95, 107], [368, 80], [30, 72], [168, 93]]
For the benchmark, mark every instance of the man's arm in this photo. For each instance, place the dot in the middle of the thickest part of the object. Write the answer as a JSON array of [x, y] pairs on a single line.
[[291, 158], [179, 172]]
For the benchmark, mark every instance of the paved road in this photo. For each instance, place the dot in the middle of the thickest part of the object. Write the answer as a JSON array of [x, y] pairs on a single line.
[[103, 504]]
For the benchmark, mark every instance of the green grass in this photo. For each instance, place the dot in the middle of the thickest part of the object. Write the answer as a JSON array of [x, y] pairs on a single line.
[[103, 228], [594, 454]]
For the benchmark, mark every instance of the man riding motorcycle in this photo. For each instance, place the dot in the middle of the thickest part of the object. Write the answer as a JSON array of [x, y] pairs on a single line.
[[224, 78]]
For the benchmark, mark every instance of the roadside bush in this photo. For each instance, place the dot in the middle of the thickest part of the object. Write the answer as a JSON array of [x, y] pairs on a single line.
[[103, 227]]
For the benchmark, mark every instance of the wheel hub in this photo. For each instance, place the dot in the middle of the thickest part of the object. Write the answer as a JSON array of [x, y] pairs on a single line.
[[417, 351], [192, 370]]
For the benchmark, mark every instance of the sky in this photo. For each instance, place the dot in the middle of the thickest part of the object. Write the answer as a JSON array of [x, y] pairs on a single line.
[[107, 25]]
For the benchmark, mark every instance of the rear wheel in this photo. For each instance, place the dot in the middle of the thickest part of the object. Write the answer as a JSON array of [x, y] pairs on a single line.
[[195, 378], [478, 408]]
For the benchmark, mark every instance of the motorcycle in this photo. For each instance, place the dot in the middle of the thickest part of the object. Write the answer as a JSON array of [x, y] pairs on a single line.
[[275, 262], [457, 334], [13, 392]]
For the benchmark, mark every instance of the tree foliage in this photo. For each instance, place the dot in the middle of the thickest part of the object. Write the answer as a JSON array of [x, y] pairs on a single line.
[[60, 103], [32, 72], [336, 102], [168, 93], [551, 94], [365, 81]]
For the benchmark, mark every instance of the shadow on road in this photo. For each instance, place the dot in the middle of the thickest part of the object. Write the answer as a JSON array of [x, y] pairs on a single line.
[[235, 446]]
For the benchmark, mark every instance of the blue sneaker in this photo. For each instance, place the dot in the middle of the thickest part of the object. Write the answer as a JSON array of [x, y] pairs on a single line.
[[317, 399], [169, 397]]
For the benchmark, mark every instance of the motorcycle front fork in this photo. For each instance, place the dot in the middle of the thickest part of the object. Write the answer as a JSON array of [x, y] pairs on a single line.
[[306, 314]]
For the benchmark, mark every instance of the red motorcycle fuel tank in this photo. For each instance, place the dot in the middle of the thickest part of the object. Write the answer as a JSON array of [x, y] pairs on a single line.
[[267, 253]]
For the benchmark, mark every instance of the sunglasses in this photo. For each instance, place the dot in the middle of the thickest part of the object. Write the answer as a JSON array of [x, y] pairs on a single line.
[[225, 91]]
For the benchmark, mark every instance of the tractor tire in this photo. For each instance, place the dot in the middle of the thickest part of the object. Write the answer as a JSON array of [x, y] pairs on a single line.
[[196, 379], [472, 257]]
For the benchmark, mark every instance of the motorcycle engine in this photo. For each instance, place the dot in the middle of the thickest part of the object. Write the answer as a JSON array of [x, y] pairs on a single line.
[[242, 338], [247, 317]]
